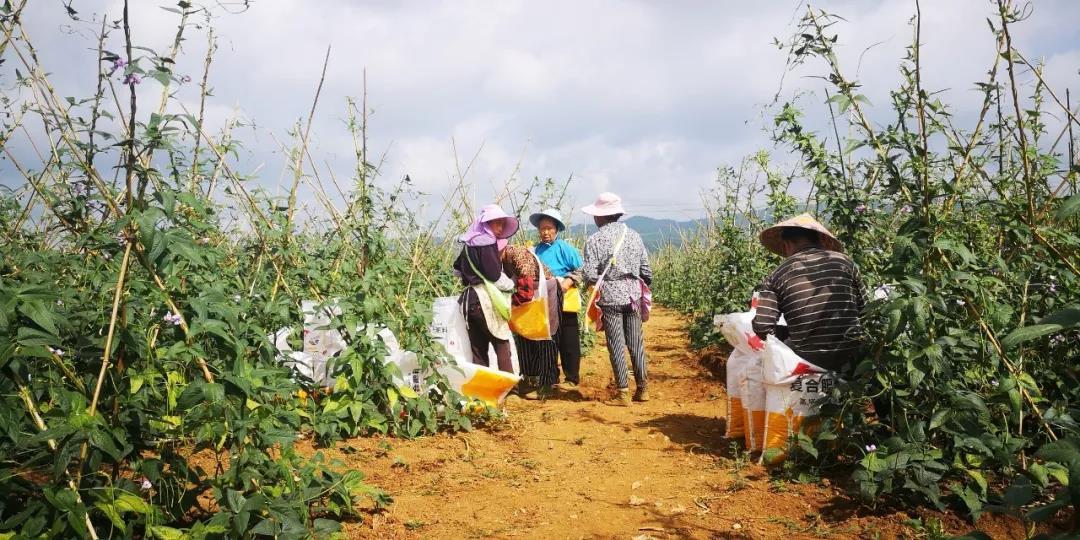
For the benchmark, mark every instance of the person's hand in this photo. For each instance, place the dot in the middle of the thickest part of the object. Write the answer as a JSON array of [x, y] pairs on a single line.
[[566, 283]]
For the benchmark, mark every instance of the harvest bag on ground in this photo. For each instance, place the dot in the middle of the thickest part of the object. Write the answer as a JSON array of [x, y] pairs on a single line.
[[746, 395], [593, 312], [793, 387], [321, 343], [530, 320], [479, 382]]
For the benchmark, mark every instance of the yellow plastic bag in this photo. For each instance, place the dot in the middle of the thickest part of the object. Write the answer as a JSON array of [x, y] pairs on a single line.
[[530, 320], [572, 300]]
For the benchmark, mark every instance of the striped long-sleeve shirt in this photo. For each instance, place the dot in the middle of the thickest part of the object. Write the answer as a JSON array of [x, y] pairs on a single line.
[[820, 296]]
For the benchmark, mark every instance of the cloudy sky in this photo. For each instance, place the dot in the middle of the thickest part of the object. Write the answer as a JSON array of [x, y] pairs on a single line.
[[646, 99]]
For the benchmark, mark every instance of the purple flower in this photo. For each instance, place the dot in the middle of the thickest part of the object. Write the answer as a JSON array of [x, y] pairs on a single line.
[[871, 448], [117, 64], [146, 485], [57, 352], [906, 209], [132, 79], [860, 209], [172, 318]]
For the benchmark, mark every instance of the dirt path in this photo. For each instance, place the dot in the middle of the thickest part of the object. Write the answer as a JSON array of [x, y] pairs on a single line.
[[577, 468]]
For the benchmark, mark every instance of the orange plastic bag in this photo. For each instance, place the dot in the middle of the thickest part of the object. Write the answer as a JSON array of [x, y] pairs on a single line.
[[530, 320], [592, 312]]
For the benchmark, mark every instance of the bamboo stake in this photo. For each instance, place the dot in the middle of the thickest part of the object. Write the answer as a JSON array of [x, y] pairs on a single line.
[[298, 168], [28, 400], [117, 296]]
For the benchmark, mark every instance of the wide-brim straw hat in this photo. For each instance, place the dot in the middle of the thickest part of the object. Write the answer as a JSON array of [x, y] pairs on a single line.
[[607, 204], [551, 214], [770, 237]]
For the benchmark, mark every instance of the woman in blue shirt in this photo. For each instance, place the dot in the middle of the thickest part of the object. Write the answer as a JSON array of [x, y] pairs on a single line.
[[564, 260]]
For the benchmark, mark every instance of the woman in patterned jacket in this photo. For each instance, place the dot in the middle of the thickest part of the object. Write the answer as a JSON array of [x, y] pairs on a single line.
[[616, 254], [539, 368]]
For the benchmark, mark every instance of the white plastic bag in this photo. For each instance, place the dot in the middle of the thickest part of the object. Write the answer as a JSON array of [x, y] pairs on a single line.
[[448, 328], [746, 382], [412, 377], [475, 381], [320, 342]]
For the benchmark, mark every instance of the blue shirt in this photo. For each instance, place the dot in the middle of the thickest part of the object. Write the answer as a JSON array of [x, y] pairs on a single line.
[[559, 256]]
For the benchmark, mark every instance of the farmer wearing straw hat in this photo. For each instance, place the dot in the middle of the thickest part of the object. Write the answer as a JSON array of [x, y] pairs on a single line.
[[816, 289], [617, 264], [564, 260]]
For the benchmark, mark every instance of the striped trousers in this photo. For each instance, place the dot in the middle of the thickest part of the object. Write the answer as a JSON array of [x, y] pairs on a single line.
[[538, 359], [622, 330]]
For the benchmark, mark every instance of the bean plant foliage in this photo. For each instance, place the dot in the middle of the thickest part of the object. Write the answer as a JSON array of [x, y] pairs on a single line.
[[968, 239], [141, 277]]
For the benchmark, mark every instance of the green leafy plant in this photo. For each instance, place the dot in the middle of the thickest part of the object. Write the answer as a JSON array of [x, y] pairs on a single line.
[[968, 241], [141, 281]]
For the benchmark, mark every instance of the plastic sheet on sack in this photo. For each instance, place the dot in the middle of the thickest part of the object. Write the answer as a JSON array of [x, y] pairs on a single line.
[[320, 343]]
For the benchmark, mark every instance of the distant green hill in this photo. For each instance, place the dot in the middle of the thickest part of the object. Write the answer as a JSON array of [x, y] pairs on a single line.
[[654, 232]]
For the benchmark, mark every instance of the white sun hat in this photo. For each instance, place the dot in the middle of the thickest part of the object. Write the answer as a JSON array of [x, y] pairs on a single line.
[[607, 204]]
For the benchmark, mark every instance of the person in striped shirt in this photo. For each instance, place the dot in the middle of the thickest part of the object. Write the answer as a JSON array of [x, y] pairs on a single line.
[[817, 290]]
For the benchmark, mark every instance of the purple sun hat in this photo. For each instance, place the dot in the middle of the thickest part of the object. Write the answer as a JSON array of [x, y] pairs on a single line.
[[479, 232]]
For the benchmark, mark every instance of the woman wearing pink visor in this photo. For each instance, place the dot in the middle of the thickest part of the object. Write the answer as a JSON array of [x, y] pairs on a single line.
[[485, 300]]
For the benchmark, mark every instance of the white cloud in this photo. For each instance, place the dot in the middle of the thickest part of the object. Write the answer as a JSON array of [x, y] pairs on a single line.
[[643, 98]]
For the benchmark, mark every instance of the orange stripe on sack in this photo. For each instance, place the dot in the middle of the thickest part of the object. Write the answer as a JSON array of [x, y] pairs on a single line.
[[781, 427], [755, 430], [736, 422]]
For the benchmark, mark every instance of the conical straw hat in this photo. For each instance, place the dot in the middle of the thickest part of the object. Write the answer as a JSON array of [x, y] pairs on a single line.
[[770, 237]]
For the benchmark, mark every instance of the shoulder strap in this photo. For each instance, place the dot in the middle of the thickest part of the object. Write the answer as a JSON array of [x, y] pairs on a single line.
[[541, 289], [614, 253]]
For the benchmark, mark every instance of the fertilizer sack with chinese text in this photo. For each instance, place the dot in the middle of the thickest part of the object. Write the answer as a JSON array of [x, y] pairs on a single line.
[[793, 387]]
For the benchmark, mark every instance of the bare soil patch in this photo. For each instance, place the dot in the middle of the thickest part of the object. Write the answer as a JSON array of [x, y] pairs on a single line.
[[574, 467]]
